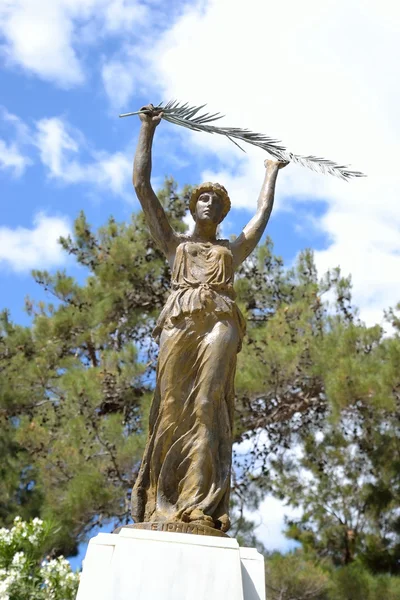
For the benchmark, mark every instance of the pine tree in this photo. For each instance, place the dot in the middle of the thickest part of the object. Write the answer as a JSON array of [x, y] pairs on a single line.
[[318, 405], [76, 385]]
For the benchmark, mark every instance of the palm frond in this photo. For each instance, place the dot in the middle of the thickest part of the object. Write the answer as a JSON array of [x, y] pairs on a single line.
[[188, 116]]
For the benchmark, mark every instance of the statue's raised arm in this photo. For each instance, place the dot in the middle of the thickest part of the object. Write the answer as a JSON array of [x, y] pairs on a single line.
[[160, 228], [184, 479], [253, 231]]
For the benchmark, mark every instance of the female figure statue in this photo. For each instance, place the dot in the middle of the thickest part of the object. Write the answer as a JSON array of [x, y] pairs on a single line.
[[186, 467]]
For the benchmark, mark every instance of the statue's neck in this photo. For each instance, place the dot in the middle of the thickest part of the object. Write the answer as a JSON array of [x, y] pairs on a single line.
[[205, 232]]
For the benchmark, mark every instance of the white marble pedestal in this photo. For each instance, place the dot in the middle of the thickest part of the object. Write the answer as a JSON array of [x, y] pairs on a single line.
[[151, 565]]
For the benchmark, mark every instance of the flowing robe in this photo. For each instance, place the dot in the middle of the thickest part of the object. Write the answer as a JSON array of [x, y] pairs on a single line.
[[186, 467]]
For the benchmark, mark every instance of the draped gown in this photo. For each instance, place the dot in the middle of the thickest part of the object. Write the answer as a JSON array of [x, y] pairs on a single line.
[[185, 471]]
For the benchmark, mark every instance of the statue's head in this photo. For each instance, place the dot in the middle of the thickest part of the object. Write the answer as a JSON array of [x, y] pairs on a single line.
[[209, 200]]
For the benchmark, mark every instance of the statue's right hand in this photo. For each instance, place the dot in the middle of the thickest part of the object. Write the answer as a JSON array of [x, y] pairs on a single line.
[[151, 115]]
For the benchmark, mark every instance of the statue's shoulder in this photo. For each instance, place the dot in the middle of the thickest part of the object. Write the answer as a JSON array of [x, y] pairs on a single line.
[[182, 238], [225, 243], [187, 237]]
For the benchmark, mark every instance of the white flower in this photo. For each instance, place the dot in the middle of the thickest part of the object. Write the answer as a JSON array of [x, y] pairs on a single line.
[[5, 536], [3, 584], [18, 559], [54, 578]]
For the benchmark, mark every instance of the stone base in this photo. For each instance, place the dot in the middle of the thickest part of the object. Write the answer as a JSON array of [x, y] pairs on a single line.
[[142, 564], [194, 527]]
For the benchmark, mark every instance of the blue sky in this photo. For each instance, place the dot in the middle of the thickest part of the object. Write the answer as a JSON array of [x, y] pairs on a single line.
[[38, 190], [41, 195], [321, 76]]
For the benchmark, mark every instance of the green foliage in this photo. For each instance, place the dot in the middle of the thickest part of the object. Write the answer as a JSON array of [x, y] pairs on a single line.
[[355, 583], [244, 499], [295, 577], [23, 572], [318, 396], [301, 576], [75, 386], [318, 404]]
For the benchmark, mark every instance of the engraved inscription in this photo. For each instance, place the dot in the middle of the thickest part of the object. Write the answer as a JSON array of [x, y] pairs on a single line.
[[178, 527]]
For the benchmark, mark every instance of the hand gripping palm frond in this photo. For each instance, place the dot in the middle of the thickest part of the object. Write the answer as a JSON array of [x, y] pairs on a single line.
[[188, 116]]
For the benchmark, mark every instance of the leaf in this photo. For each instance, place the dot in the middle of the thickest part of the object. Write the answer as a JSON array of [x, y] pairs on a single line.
[[185, 116]]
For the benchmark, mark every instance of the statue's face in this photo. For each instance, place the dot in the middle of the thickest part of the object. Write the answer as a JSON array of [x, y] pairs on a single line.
[[209, 207]]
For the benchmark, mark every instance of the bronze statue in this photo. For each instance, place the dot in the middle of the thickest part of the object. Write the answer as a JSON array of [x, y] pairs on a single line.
[[185, 473]]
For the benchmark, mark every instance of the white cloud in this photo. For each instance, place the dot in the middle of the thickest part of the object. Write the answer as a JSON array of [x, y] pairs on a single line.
[[20, 129], [122, 15], [188, 220], [22, 249], [114, 171], [54, 144], [60, 151], [45, 37], [270, 524], [126, 73], [269, 518], [118, 83], [321, 78], [13, 157], [39, 38]]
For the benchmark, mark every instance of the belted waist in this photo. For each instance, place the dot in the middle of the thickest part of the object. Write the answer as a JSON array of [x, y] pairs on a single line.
[[221, 288]]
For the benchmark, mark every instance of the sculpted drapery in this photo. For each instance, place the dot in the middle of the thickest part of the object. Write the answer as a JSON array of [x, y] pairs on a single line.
[[186, 467], [185, 473]]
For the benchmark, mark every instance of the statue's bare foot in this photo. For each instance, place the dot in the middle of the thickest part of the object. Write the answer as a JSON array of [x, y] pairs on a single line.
[[225, 523], [198, 515]]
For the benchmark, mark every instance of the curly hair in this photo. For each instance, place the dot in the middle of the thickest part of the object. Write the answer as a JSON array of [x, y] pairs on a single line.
[[208, 186]]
